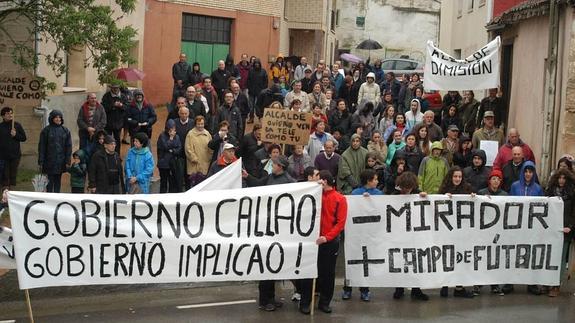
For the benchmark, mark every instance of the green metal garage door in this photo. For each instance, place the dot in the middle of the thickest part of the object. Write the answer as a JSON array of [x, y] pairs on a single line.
[[207, 55]]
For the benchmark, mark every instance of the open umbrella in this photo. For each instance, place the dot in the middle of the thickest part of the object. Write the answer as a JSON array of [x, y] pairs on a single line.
[[369, 44], [351, 58], [129, 74]]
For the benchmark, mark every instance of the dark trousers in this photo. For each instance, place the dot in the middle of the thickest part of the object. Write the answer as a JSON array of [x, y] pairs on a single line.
[[168, 181], [54, 183], [267, 290], [10, 171], [326, 259], [84, 138], [78, 190]]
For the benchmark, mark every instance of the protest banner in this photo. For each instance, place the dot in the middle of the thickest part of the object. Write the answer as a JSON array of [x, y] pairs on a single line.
[[408, 241], [478, 71], [286, 127], [7, 260], [20, 90], [226, 179], [245, 234]]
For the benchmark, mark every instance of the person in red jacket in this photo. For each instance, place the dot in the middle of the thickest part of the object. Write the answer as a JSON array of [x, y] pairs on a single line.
[[504, 154], [333, 215]]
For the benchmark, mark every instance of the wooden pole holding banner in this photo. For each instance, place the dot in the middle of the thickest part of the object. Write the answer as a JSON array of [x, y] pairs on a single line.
[[30, 314], [313, 296]]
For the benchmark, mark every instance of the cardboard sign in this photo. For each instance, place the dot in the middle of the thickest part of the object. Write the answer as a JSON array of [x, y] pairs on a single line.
[[408, 241], [20, 90], [286, 127]]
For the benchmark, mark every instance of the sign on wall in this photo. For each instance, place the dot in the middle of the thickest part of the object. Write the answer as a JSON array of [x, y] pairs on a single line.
[[478, 71], [407, 241]]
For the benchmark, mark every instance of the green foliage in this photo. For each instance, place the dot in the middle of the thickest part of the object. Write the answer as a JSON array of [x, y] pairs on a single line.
[[72, 25]]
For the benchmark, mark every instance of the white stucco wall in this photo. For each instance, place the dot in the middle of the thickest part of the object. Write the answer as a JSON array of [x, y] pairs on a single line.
[[528, 79], [401, 27], [466, 32]]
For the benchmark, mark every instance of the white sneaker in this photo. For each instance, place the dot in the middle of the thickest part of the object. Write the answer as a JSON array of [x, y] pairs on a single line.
[[296, 297]]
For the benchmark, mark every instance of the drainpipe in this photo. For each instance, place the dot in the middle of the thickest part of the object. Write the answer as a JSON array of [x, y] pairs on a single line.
[[550, 122]]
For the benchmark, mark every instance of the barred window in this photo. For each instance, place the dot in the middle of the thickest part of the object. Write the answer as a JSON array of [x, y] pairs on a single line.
[[205, 29]]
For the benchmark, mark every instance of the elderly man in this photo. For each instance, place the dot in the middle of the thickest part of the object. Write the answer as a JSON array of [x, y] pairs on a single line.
[[299, 70], [297, 93], [194, 104], [241, 100], [91, 119], [488, 132], [512, 169], [220, 79], [434, 132], [505, 155]]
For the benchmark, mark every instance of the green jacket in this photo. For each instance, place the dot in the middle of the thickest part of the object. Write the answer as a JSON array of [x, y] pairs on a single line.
[[77, 175], [431, 173], [351, 164]]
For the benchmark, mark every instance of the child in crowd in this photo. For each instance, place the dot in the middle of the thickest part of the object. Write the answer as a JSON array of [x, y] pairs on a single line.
[[369, 182], [77, 172]]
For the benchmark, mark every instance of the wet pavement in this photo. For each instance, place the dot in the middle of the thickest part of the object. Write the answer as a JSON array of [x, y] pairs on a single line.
[[237, 303]]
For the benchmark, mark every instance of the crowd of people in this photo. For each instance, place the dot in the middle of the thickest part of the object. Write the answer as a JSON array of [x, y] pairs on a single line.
[[372, 134]]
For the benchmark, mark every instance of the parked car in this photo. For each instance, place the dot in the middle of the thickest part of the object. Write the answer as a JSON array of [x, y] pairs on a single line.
[[399, 66]]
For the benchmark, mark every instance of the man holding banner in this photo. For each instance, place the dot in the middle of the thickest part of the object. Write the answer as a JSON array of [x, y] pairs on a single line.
[[333, 216]]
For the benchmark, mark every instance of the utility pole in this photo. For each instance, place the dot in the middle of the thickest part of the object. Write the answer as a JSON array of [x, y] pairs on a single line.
[[550, 125]]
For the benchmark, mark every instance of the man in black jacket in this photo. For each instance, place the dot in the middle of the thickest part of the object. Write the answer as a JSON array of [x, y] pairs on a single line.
[[279, 175], [115, 103], [512, 169], [257, 82], [181, 72], [106, 174], [11, 135], [241, 101], [231, 113], [220, 80]]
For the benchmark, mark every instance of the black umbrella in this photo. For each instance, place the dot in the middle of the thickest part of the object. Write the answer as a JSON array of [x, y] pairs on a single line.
[[369, 44]]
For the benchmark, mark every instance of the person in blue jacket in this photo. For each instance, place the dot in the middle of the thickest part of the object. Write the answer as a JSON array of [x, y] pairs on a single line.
[[139, 165], [527, 185], [369, 181]]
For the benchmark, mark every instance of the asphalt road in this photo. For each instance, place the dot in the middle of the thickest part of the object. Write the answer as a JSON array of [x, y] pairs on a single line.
[[236, 302]]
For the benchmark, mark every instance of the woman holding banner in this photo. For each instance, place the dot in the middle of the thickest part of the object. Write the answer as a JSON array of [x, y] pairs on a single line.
[[453, 183], [406, 184], [562, 184]]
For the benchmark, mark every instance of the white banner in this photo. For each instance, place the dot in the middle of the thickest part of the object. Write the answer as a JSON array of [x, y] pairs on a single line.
[[407, 241], [478, 71], [6, 249], [246, 234], [228, 178]]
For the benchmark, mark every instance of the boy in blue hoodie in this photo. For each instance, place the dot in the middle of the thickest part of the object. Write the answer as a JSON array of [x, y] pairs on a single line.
[[527, 185]]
